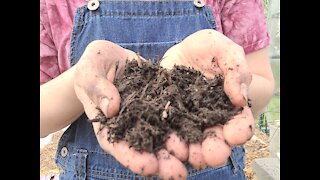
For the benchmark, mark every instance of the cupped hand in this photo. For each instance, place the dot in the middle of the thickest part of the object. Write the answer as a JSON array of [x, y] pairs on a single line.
[[215, 54], [101, 62], [95, 72]]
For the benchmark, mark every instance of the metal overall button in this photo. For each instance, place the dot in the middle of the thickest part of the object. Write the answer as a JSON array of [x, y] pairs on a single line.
[[199, 3], [64, 152], [93, 5]]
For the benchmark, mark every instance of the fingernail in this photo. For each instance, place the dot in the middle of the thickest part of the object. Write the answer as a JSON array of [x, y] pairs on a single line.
[[104, 103]]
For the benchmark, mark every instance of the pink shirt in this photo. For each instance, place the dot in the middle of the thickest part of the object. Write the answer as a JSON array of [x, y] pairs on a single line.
[[240, 20]]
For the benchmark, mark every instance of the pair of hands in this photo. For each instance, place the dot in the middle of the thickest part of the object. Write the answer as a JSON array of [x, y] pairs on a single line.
[[207, 51]]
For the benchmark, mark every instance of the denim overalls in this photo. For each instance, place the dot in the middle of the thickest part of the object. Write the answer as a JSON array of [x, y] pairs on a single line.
[[148, 28]]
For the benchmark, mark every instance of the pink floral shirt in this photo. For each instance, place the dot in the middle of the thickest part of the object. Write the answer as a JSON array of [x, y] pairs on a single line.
[[241, 20]]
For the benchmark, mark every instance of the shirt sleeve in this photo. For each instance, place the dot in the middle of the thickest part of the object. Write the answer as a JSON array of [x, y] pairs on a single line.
[[244, 22], [49, 68]]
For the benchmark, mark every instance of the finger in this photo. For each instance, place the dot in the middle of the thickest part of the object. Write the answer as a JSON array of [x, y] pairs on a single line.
[[105, 96], [215, 150], [101, 89], [143, 163], [177, 147], [134, 56], [240, 129], [196, 158], [235, 90], [237, 76], [172, 57], [170, 167]]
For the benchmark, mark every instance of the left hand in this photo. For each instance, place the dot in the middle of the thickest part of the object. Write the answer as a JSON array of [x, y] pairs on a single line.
[[213, 54]]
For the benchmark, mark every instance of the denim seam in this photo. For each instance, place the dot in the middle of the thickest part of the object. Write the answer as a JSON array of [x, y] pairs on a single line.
[[145, 15], [78, 26], [149, 43], [210, 17], [170, 12], [107, 175], [99, 174], [207, 170]]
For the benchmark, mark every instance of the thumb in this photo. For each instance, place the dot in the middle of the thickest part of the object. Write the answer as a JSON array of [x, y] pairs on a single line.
[[106, 102], [174, 56], [106, 97], [237, 92]]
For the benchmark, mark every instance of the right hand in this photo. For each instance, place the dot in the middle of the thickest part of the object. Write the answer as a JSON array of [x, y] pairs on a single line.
[[95, 72], [101, 62]]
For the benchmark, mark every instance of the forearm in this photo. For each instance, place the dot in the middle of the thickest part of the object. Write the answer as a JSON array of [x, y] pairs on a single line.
[[260, 93], [59, 105]]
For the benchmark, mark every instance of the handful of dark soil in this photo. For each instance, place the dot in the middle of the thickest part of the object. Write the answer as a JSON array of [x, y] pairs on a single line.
[[156, 101]]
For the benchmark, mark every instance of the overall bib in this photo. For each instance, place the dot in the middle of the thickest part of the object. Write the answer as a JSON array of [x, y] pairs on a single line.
[[148, 28]]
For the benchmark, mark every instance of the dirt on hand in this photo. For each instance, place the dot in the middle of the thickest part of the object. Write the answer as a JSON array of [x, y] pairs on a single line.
[[147, 82], [156, 102]]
